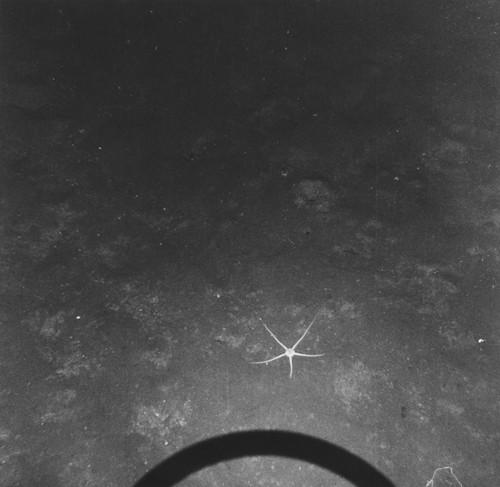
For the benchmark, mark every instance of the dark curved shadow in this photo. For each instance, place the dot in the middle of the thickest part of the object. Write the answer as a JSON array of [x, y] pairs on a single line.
[[264, 443]]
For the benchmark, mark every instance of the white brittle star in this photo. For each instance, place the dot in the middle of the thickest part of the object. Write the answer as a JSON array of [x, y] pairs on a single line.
[[290, 352]]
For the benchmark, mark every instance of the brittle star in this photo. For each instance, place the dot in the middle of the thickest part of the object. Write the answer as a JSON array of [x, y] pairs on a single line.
[[290, 352]]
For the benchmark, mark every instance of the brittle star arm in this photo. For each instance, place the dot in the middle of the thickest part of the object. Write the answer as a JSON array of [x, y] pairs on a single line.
[[293, 353], [270, 360], [274, 336], [303, 334]]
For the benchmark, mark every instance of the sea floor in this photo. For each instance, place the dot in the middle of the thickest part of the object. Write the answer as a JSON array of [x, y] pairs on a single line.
[[176, 175]]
